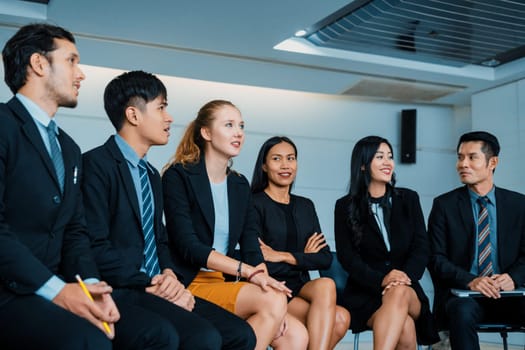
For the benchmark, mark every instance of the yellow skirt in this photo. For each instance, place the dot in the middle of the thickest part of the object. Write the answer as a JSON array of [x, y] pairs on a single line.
[[210, 285]]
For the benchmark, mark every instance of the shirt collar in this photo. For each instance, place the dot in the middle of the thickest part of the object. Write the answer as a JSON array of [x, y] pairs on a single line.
[[491, 195], [129, 153], [35, 111]]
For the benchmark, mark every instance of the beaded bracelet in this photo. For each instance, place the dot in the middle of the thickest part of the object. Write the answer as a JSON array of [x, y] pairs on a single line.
[[239, 268], [254, 273]]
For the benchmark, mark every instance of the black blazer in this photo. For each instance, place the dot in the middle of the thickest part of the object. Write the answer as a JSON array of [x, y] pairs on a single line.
[[41, 232], [368, 265], [190, 217], [453, 233], [271, 226], [114, 219]]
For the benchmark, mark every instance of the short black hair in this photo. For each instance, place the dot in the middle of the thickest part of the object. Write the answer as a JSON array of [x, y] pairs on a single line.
[[29, 39], [490, 142], [134, 88]]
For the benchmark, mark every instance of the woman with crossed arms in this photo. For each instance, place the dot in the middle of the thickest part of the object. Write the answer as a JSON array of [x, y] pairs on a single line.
[[292, 244]]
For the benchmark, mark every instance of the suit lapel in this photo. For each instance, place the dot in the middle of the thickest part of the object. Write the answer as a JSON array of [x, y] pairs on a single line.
[[503, 208], [202, 189], [125, 176], [30, 130], [397, 217], [465, 212]]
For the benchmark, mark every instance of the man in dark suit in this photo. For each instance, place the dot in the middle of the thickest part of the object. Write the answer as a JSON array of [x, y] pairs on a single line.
[[478, 242], [43, 240], [117, 181]]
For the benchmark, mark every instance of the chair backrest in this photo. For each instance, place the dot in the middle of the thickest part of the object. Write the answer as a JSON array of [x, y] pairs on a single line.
[[337, 273]]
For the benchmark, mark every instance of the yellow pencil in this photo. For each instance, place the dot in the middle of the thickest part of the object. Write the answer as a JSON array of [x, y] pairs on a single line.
[[86, 291]]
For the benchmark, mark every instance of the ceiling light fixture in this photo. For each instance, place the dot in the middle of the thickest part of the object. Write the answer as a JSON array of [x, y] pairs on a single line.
[[300, 33], [491, 63]]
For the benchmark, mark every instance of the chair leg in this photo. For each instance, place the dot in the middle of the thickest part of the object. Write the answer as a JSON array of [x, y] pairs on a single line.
[[356, 341], [504, 338]]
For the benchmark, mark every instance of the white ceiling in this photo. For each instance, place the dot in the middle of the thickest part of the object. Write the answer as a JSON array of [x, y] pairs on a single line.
[[234, 41]]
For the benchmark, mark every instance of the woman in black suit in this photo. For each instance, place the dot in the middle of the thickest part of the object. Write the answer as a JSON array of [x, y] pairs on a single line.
[[209, 211], [292, 244], [381, 241]]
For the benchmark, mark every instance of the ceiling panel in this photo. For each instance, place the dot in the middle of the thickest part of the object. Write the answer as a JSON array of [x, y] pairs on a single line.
[[450, 32]]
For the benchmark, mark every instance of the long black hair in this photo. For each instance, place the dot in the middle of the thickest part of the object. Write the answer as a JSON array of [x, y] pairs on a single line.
[[260, 177], [360, 177]]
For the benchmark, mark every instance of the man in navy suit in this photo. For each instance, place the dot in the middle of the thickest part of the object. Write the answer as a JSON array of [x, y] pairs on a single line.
[[43, 240], [117, 175], [477, 218]]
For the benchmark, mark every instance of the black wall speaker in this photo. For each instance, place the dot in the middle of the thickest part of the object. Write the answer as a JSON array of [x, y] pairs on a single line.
[[408, 135]]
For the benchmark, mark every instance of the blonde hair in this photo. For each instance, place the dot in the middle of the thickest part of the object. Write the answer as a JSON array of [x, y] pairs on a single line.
[[192, 145]]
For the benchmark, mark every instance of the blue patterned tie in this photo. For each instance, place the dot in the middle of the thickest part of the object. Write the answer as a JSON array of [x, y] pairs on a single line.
[[484, 246], [56, 155], [151, 261]]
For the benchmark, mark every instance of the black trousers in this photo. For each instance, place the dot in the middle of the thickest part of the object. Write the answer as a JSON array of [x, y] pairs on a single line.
[[150, 322], [31, 322], [464, 313]]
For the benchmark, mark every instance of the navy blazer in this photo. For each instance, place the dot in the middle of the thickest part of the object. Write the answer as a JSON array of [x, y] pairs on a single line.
[[114, 218], [453, 234], [371, 262], [41, 232], [272, 229], [190, 217]]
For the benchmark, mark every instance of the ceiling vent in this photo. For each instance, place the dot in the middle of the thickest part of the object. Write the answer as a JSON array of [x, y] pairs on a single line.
[[400, 90], [449, 32]]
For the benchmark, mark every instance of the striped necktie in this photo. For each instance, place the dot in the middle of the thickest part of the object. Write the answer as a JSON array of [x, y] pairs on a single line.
[[484, 247], [56, 155], [151, 261]]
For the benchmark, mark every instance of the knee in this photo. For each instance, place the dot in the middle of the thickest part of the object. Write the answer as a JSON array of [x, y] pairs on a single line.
[[401, 295], [342, 321], [90, 338], [326, 287], [274, 303]]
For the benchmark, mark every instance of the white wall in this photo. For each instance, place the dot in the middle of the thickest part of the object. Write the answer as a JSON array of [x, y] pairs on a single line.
[[502, 111]]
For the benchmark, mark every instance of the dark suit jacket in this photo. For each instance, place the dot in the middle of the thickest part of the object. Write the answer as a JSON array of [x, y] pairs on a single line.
[[271, 226], [190, 217], [371, 262], [453, 233], [114, 219], [41, 232]]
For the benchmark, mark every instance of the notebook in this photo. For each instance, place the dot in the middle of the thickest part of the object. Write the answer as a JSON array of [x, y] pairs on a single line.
[[504, 293]]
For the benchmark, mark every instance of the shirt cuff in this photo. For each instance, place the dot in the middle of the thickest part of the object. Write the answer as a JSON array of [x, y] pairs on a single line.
[[51, 288], [91, 280]]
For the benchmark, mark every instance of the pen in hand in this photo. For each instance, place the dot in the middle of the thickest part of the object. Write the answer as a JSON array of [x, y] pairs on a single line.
[[86, 291]]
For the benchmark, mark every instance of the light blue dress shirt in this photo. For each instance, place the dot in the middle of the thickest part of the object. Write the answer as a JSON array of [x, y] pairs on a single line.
[[221, 232]]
